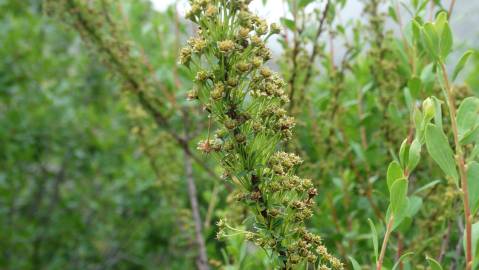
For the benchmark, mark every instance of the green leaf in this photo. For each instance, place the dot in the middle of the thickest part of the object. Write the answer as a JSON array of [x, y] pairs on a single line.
[[414, 155], [446, 41], [467, 116], [414, 85], [375, 239], [398, 197], [433, 264], [392, 14], [430, 40], [404, 153], [438, 109], [474, 242], [290, 24], [358, 151], [414, 206], [473, 185], [404, 256], [440, 150], [394, 172], [441, 20], [416, 30], [462, 62], [355, 264], [304, 3], [399, 220], [427, 186]]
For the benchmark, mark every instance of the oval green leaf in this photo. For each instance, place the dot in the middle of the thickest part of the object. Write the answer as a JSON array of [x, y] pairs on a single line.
[[398, 197], [394, 173], [440, 150]]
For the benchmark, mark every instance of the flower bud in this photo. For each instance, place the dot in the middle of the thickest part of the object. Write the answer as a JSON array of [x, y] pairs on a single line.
[[428, 108]]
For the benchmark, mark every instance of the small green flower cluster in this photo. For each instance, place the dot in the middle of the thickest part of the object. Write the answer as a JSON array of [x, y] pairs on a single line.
[[246, 99]]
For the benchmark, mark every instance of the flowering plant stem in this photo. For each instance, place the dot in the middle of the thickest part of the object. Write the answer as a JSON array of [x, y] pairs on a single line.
[[460, 160], [389, 226]]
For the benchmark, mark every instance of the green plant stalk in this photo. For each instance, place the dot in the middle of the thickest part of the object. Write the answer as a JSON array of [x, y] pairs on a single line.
[[389, 226], [461, 164]]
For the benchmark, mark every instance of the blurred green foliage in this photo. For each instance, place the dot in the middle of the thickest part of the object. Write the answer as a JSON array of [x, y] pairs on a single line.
[[89, 180], [77, 191]]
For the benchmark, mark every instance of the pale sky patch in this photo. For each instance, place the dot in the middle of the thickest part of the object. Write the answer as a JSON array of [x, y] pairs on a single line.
[[272, 11]]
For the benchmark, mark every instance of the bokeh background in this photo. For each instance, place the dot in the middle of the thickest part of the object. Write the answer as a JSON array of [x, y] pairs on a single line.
[[87, 179]]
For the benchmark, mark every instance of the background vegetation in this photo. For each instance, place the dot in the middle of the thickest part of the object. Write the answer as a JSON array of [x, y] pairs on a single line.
[[98, 161]]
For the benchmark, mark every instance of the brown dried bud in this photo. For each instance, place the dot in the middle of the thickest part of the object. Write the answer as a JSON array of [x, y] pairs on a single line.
[[226, 46]]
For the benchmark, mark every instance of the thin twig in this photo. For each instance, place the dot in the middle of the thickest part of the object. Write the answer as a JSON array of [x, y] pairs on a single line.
[[202, 260]]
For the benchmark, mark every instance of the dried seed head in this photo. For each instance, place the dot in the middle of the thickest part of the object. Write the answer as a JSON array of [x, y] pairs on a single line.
[[230, 123], [274, 28], [211, 11], [243, 66], [192, 94], [240, 138], [185, 56], [218, 91], [202, 76], [226, 46], [233, 82], [265, 72], [244, 32], [198, 45], [256, 40]]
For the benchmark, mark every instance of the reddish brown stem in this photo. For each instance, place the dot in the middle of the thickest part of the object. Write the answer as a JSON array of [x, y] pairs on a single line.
[[460, 160], [379, 264]]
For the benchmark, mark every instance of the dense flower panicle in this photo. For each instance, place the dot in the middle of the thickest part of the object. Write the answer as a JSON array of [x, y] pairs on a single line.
[[246, 99]]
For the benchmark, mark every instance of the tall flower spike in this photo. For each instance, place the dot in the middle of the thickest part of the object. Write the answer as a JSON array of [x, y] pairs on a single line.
[[245, 98]]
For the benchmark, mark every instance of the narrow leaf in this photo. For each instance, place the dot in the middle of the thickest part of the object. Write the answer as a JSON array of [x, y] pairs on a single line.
[[404, 256], [355, 264], [427, 186], [438, 110], [433, 264], [375, 239], [462, 62], [474, 241], [473, 185]]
